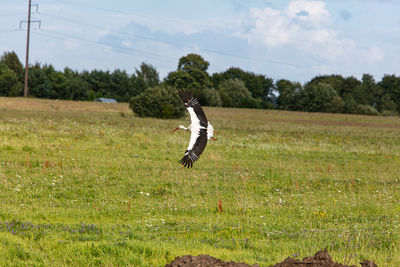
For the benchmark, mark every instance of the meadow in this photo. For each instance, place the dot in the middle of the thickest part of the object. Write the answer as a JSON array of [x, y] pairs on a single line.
[[89, 184]]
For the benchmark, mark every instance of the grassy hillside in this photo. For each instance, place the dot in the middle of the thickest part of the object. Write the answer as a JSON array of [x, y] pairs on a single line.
[[89, 183]]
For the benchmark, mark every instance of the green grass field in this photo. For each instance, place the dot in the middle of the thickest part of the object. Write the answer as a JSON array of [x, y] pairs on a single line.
[[90, 184]]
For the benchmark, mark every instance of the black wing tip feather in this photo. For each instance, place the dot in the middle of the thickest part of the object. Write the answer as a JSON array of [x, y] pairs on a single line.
[[189, 159], [185, 95], [186, 162]]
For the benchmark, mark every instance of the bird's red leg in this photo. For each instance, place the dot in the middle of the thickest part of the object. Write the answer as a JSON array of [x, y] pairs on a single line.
[[215, 139], [175, 129]]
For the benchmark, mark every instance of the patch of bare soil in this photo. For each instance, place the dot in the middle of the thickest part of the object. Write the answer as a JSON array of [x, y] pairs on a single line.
[[320, 259], [204, 261]]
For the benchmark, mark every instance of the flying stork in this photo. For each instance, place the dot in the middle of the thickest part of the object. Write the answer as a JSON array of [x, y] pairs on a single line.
[[201, 129]]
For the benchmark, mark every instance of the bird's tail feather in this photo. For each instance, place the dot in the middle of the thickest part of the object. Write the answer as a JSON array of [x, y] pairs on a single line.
[[210, 131]]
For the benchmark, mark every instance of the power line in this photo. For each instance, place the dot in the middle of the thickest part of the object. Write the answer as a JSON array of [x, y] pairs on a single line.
[[179, 45], [152, 17], [122, 49], [221, 53], [118, 49], [229, 30], [11, 14], [130, 51], [14, 30], [205, 50], [123, 33], [120, 32]]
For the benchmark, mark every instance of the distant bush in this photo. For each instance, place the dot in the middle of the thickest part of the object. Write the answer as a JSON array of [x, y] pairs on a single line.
[[336, 105], [213, 97], [367, 110], [158, 102], [233, 93], [225, 98], [208, 97], [250, 102], [389, 113]]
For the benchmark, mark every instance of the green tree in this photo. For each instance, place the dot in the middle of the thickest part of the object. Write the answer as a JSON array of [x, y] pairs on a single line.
[[39, 83], [78, 86], [138, 85], [336, 105], [191, 74], [60, 86], [12, 61], [353, 96], [387, 105], [288, 92], [9, 83], [336, 81], [390, 85], [46, 82], [210, 97], [233, 93], [318, 98], [192, 62], [148, 74], [180, 80], [225, 98], [159, 102], [260, 86], [350, 105], [370, 90], [99, 82], [119, 86], [349, 85]]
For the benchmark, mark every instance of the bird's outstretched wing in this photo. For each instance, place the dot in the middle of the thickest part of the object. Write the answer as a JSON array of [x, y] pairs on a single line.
[[195, 110], [193, 153]]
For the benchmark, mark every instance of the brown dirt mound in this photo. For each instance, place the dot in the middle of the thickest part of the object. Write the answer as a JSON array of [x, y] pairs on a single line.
[[320, 259], [204, 261]]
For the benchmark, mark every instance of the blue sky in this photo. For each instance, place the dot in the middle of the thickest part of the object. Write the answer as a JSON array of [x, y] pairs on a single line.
[[290, 39]]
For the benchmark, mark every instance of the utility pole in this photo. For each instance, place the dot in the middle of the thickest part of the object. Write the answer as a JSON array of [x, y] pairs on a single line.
[[27, 51], [26, 89]]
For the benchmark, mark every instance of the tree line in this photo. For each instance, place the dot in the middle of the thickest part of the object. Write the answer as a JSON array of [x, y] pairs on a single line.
[[233, 87]]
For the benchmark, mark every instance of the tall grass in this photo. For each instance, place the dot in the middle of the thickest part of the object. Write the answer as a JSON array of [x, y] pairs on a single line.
[[91, 184]]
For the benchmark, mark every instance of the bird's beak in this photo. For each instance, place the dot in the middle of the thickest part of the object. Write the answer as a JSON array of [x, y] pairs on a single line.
[[174, 130]]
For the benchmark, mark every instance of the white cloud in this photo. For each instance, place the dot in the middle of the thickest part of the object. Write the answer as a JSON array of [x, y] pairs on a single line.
[[306, 28], [300, 22], [312, 11]]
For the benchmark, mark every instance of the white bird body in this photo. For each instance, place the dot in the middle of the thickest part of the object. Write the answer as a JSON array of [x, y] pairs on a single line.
[[210, 132]]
